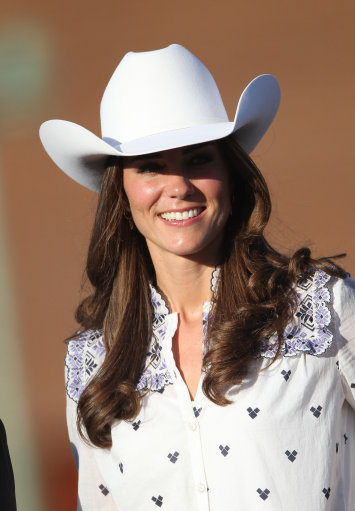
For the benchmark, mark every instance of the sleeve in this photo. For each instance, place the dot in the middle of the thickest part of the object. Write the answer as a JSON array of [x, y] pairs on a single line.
[[7, 482], [344, 306], [93, 493]]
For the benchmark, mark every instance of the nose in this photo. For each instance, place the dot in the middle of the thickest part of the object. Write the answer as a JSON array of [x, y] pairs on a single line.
[[178, 185]]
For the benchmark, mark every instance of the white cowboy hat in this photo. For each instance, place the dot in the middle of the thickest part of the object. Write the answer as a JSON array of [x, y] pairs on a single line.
[[159, 100]]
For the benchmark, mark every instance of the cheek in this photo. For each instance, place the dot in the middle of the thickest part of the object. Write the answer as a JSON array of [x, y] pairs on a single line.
[[141, 196], [218, 191]]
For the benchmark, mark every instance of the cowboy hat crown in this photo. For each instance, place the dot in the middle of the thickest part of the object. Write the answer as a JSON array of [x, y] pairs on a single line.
[[155, 101], [159, 91]]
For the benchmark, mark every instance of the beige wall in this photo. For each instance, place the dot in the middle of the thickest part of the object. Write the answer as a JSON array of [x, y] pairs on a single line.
[[307, 157]]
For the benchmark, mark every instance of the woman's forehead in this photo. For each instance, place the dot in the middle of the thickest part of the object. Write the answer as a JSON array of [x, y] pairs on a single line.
[[129, 160]]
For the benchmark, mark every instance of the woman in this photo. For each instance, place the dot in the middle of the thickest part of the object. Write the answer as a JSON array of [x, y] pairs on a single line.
[[210, 372]]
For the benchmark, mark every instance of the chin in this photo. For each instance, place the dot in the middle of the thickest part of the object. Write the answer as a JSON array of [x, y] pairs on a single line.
[[191, 247], [191, 252]]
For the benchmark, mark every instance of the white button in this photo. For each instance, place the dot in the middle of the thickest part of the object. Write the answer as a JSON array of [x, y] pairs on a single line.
[[201, 487], [193, 426]]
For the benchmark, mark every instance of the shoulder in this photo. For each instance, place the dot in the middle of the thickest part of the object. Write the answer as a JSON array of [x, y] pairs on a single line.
[[85, 354], [344, 298], [314, 299], [312, 329], [344, 326], [333, 299], [326, 310]]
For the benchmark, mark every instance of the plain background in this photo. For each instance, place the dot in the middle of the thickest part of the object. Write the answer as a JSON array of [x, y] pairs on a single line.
[[55, 61]]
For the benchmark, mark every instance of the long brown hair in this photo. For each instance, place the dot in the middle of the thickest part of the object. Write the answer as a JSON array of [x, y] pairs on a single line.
[[254, 301]]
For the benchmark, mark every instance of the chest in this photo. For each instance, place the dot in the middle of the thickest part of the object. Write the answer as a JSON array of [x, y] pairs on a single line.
[[183, 448], [187, 349]]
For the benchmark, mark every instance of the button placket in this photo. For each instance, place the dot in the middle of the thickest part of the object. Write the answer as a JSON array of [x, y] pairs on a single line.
[[193, 426], [192, 429], [195, 449], [201, 487], [191, 423]]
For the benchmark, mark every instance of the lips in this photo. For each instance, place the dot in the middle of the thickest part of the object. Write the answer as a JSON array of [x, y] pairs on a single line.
[[181, 215]]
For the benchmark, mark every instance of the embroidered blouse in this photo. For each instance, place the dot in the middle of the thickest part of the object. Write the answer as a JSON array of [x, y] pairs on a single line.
[[287, 441]]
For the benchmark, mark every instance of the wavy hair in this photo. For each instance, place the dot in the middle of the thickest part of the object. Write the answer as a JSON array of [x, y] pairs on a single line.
[[255, 296]]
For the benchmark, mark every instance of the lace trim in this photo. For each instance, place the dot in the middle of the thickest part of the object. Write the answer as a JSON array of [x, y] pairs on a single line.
[[156, 374], [159, 304], [161, 307], [83, 359], [215, 279], [309, 332]]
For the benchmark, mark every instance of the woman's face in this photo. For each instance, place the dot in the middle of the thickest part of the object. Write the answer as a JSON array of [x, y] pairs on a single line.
[[180, 200]]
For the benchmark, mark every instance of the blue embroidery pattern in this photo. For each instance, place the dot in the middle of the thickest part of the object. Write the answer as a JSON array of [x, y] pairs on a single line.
[[309, 332], [84, 357], [156, 374], [159, 305]]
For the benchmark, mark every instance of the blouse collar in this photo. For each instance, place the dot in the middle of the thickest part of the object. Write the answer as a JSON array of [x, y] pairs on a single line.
[[159, 303]]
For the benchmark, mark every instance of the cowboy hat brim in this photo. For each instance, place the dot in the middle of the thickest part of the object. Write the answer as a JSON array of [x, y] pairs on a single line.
[[83, 155]]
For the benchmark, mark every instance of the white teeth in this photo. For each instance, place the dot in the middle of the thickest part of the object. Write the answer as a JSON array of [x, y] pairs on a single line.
[[181, 216]]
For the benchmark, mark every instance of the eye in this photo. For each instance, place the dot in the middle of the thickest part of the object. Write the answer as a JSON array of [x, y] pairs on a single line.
[[149, 168], [201, 158]]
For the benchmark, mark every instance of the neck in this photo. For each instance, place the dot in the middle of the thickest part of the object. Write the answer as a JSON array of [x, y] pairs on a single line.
[[185, 283]]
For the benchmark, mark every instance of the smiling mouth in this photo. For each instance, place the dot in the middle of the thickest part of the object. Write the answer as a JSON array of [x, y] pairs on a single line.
[[181, 215]]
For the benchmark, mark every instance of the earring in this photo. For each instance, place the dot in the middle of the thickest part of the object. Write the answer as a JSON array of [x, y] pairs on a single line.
[[128, 217]]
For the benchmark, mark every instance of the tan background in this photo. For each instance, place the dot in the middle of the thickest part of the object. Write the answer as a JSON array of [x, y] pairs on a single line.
[[55, 60]]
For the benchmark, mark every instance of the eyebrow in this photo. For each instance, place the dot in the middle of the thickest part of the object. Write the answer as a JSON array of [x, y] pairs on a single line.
[[195, 147], [152, 156]]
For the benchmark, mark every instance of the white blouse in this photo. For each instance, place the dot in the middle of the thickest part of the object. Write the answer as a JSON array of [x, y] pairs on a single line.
[[286, 442]]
